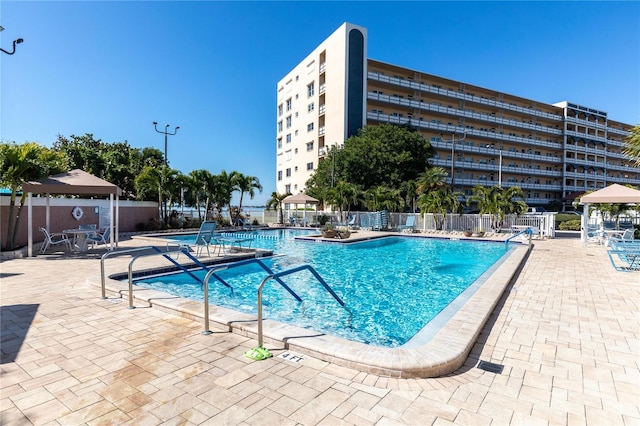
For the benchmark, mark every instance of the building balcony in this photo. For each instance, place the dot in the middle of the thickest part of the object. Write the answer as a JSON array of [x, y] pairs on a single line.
[[526, 186], [459, 95], [617, 131], [494, 168], [489, 118], [445, 128], [581, 122]]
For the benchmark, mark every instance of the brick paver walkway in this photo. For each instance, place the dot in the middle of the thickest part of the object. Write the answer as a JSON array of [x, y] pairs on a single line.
[[567, 333]]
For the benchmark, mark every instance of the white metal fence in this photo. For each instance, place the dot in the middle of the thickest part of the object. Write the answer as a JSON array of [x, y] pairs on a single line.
[[543, 224]]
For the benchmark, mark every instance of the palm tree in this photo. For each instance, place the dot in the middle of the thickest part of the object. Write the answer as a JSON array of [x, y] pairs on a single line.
[[409, 190], [383, 198], [498, 202], [431, 178], [20, 164], [632, 145], [344, 195], [440, 202], [199, 184], [275, 202], [226, 183], [246, 184]]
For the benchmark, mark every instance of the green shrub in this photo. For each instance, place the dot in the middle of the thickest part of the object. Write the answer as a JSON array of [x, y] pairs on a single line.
[[570, 225]]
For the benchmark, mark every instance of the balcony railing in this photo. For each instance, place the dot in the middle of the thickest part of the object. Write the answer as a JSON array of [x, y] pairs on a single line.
[[458, 95], [460, 129], [462, 113]]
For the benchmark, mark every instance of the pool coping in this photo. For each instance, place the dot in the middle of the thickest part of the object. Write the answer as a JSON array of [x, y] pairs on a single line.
[[444, 353]]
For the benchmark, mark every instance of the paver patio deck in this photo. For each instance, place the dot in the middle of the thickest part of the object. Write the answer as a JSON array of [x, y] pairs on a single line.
[[567, 333]]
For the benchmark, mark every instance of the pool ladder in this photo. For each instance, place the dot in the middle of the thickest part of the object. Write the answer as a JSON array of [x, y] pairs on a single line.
[[528, 231]]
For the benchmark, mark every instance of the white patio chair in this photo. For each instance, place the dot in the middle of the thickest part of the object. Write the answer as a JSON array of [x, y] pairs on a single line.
[[53, 239]]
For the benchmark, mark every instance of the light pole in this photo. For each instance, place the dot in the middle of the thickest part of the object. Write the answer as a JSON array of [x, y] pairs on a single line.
[[500, 170], [453, 152], [16, 41], [165, 133], [333, 164], [499, 165]]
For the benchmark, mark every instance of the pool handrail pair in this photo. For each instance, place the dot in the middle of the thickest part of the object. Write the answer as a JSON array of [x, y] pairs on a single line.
[[211, 272]]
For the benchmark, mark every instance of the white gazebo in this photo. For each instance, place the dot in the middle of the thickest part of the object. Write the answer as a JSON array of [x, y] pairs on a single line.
[[611, 194], [303, 199], [74, 182]]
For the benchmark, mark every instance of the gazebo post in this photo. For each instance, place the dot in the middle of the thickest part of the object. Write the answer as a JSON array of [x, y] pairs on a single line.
[[48, 214], [29, 225], [585, 223]]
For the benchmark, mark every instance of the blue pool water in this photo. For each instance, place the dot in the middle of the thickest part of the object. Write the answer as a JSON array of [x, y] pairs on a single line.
[[392, 286]]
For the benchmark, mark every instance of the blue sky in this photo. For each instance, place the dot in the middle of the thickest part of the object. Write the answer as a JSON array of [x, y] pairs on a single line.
[[113, 68]]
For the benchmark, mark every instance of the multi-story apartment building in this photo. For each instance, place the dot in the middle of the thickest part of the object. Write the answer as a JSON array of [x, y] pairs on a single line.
[[481, 136]]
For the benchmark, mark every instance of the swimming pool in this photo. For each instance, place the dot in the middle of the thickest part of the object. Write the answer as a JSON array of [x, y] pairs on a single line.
[[392, 286]]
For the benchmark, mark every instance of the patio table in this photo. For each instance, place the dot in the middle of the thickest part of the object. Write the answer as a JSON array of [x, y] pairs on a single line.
[[80, 237]]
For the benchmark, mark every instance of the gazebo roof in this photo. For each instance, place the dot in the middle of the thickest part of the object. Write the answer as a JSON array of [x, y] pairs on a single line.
[[300, 198], [612, 194], [75, 182]]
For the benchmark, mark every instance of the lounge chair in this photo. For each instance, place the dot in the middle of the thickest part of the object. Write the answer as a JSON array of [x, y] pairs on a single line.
[[246, 225], [352, 221], [54, 239], [98, 239], [629, 259], [409, 224], [205, 236]]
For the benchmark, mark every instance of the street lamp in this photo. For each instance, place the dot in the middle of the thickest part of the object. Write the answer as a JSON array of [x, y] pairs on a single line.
[[16, 41], [499, 165], [333, 164], [165, 133], [453, 151]]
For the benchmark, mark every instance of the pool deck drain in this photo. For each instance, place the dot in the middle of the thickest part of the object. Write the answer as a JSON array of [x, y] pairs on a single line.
[[568, 340]]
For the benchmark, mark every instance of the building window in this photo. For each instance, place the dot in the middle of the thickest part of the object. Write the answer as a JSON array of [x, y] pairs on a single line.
[[309, 127], [309, 166], [279, 174], [295, 169], [311, 107], [287, 189], [288, 137], [279, 143], [310, 89], [280, 110], [280, 126], [279, 159], [287, 155], [288, 172], [288, 122], [309, 146], [289, 104]]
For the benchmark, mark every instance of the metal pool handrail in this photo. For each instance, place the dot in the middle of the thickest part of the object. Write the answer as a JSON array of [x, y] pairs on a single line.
[[113, 253], [265, 268], [158, 251], [205, 286], [288, 272], [524, 231], [166, 256]]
